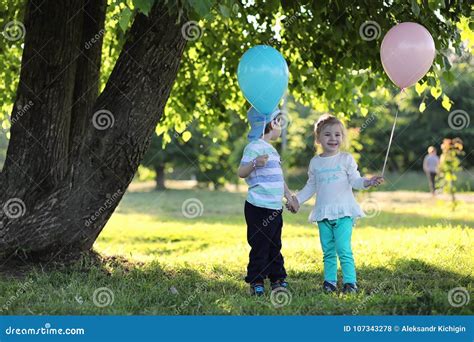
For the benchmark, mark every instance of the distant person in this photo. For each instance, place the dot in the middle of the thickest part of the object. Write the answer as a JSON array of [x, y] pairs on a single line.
[[261, 168], [430, 167]]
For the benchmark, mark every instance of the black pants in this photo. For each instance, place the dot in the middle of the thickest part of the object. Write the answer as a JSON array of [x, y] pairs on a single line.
[[432, 181], [264, 237]]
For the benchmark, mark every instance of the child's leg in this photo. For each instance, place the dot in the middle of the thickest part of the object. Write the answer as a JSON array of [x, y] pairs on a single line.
[[343, 235], [326, 236], [276, 270], [259, 242]]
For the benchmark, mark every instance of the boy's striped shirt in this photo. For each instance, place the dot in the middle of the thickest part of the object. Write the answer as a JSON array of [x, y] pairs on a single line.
[[266, 184]]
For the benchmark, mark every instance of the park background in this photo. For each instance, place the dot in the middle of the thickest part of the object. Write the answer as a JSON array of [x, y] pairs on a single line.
[[176, 243]]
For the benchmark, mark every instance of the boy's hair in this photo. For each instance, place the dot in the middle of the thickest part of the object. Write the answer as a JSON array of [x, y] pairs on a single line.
[[328, 120], [268, 126], [431, 149]]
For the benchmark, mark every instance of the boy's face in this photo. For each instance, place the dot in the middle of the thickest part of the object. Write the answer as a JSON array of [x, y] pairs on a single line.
[[331, 138], [276, 127]]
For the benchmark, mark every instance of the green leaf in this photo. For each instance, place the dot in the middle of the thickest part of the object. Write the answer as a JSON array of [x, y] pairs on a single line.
[[422, 107], [415, 8], [436, 92], [448, 76], [358, 80], [201, 7], [446, 103], [225, 11], [420, 87], [144, 6], [125, 16], [186, 136]]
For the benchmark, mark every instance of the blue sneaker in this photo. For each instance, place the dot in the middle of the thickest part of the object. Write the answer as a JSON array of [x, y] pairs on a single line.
[[257, 289], [328, 287], [279, 283], [350, 288]]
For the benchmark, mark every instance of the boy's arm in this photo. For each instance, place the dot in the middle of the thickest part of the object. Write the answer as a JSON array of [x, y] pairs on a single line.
[[246, 169]]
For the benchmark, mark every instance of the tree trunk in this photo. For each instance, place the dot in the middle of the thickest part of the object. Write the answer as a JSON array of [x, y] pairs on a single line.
[[72, 156], [160, 177]]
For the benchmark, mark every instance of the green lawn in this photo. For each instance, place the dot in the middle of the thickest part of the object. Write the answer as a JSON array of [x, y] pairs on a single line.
[[154, 260]]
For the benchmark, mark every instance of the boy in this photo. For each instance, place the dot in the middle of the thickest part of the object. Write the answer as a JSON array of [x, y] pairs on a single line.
[[260, 166]]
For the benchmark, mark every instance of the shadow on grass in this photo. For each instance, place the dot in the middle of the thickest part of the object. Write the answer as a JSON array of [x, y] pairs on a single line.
[[397, 220], [221, 207], [115, 286]]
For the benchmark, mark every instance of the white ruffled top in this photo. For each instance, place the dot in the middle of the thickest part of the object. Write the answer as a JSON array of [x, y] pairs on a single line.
[[332, 179]]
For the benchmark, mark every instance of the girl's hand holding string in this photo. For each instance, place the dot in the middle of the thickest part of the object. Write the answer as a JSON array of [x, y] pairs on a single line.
[[374, 181]]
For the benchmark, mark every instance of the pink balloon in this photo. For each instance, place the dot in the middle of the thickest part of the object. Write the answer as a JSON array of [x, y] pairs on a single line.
[[407, 53]]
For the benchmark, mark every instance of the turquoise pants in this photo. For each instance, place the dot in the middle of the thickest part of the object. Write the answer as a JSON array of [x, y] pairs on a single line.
[[335, 236]]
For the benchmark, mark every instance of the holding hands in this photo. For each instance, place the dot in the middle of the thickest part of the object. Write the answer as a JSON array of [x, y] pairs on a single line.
[[292, 204]]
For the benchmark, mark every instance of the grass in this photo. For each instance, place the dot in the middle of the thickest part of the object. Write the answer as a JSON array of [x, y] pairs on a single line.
[[154, 260]]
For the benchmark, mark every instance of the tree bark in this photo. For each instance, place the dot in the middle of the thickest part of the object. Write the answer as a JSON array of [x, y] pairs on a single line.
[[160, 177], [71, 185]]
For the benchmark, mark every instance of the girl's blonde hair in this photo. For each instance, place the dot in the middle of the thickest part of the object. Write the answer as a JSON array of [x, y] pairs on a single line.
[[329, 120]]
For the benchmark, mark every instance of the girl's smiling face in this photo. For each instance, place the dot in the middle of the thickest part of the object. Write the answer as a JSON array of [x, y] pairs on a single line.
[[330, 138]]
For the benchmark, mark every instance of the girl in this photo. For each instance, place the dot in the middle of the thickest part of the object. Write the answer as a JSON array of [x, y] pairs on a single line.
[[332, 175]]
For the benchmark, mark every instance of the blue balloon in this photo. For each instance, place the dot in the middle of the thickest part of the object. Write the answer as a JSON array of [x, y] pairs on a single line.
[[263, 77]]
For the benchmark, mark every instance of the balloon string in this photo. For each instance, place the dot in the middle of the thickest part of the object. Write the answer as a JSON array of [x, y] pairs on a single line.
[[390, 141]]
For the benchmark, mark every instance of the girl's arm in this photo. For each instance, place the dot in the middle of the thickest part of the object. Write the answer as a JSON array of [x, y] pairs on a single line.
[[355, 179], [288, 193], [310, 188], [358, 182]]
